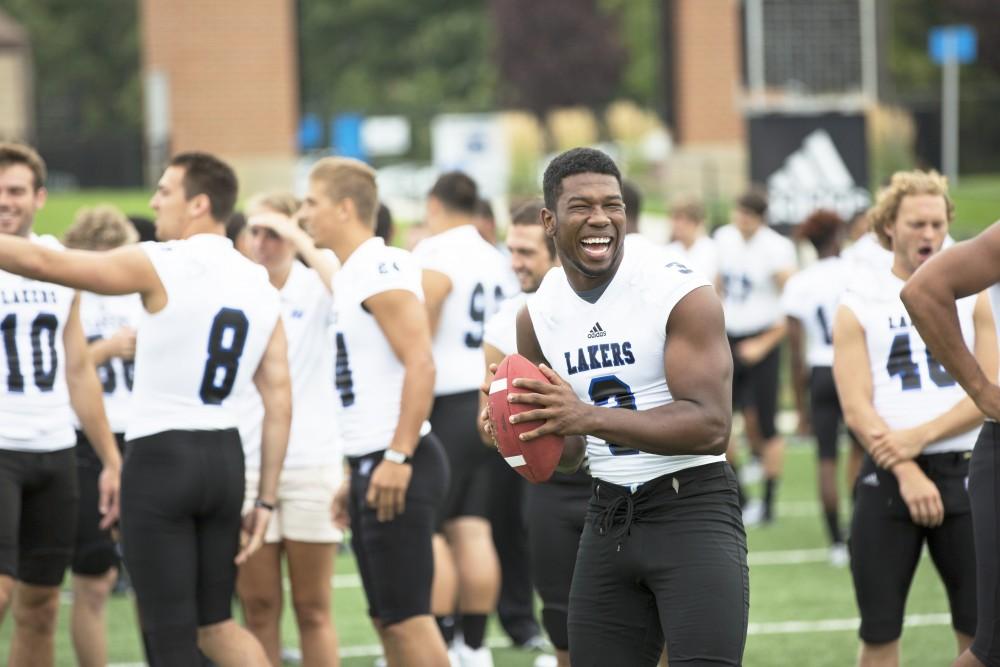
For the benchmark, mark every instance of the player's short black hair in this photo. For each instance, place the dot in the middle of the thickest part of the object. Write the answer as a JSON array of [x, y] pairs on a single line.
[[753, 201], [145, 227], [572, 162], [457, 192], [484, 209], [206, 174], [820, 228], [632, 197], [235, 225], [383, 223]]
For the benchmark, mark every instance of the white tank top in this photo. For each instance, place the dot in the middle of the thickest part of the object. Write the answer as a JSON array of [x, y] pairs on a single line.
[[205, 346], [369, 375], [480, 280], [910, 386], [752, 298], [611, 352], [102, 317], [811, 296], [35, 411], [306, 313]]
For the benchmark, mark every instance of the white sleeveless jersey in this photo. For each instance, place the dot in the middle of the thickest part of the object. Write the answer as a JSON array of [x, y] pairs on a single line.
[[811, 296], [910, 386], [306, 314], [480, 280], [102, 317], [35, 411], [747, 268], [205, 345], [501, 329], [868, 253], [611, 352], [369, 375]]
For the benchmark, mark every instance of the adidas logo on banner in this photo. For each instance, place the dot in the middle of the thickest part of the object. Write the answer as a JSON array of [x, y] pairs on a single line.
[[813, 177], [597, 331]]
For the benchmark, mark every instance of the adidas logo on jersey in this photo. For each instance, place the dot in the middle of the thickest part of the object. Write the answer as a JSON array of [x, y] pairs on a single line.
[[597, 331]]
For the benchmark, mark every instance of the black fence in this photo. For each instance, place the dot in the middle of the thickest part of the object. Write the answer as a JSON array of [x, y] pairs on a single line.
[[108, 161]]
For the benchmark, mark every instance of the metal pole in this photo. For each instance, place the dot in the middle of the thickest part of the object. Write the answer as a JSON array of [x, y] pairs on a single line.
[[755, 46], [949, 111], [868, 16]]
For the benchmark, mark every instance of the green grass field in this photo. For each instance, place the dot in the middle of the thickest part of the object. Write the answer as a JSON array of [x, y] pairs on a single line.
[[802, 610]]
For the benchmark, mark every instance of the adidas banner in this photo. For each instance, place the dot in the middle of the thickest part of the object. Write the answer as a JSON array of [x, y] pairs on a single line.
[[809, 162]]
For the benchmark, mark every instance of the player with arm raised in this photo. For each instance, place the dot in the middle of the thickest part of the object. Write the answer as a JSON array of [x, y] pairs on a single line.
[[48, 376], [643, 570], [916, 422], [385, 379], [210, 324], [932, 297]]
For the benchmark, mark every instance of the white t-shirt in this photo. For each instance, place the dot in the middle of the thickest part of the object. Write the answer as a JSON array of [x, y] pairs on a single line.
[[611, 352], [501, 329], [35, 411], [102, 317], [306, 314], [481, 279], [369, 374], [701, 256], [199, 353], [748, 269], [811, 296], [910, 387]]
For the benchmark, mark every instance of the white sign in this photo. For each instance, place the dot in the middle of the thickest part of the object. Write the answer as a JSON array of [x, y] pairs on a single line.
[[385, 135], [475, 144]]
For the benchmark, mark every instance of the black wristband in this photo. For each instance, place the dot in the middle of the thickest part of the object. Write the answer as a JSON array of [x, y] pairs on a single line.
[[264, 504]]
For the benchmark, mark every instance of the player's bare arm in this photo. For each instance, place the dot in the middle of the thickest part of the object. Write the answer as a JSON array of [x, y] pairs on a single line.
[[799, 371], [86, 396], [120, 271], [752, 350], [492, 357], [699, 366], [285, 227], [437, 287], [121, 345], [895, 446], [854, 388], [400, 316], [575, 447], [929, 296], [275, 388]]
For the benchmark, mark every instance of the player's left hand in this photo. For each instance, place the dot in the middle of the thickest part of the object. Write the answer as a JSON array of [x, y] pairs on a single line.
[[108, 488], [752, 350], [891, 447], [387, 489], [559, 406], [282, 225], [252, 533]]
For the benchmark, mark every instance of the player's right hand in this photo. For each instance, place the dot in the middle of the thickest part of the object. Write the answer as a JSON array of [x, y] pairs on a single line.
[[921, 496], [282, 225], [387, 489], [252, 533], [485, 425], [123, 342]]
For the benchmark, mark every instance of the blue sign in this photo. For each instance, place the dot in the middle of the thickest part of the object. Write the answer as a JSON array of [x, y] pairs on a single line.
[[952, 41], [310, 132], [345, 130]]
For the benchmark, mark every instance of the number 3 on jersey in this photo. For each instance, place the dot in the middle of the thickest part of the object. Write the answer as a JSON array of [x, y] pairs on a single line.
[[225, 346], [605, 388]]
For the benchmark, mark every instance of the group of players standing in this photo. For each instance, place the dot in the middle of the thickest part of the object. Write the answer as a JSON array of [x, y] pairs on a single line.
[[637, 545]]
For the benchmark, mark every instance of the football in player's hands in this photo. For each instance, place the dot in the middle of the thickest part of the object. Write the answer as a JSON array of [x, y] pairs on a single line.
[[536, 459]]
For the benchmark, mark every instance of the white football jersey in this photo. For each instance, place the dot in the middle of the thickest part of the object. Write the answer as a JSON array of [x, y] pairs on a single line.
[[369, 375], [611, 352], [869, 253], [501, 329], [306, 314], [35, 411], [751, 296], [811, 296], [910, 386], [205, 345], [480, 280], [701, 256], [102, 317]]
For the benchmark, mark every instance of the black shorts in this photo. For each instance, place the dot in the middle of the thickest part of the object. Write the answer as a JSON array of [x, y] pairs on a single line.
[[757, 386], [825, 411], [555, 513], [454, 420], [38, 498], [95, 552], [395, 558], [885, 546], [182, 492], [662, 562], [984, 494]]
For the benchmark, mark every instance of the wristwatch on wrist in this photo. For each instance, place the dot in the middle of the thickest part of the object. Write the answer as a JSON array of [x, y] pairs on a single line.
[[396, 456], [264, 504]]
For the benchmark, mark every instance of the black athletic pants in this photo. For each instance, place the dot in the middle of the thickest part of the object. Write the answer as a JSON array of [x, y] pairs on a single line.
[[984, 492]]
